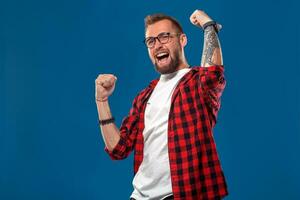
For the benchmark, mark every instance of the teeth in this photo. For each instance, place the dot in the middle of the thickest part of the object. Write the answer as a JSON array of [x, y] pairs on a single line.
[[161, 54]]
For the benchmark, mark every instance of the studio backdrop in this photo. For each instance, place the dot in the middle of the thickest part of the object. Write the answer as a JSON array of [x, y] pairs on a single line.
[[51, 52]]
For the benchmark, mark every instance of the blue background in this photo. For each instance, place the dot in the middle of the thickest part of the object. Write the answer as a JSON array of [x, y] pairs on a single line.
[[51, 51]]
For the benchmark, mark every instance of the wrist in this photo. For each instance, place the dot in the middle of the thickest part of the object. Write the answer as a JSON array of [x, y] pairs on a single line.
[[101, 104], [103, 110], [106, 121], [213, 24], [101, 99]]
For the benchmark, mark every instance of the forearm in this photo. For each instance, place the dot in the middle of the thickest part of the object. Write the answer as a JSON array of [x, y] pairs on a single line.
[[212, 52], [110, 132]]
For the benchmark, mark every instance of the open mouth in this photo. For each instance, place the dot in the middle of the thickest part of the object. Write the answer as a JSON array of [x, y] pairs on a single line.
[[162, 57]]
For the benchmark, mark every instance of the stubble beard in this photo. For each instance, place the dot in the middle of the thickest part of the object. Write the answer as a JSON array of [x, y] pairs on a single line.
[[172, 67]]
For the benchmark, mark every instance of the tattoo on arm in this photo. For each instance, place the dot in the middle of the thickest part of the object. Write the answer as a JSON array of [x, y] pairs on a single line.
[[211, 54]]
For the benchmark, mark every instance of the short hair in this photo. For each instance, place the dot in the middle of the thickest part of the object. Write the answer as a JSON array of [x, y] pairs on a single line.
[[152, 19]]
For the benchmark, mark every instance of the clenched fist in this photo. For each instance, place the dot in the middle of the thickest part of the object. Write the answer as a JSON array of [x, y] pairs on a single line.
[[199, 18], [104, 85]]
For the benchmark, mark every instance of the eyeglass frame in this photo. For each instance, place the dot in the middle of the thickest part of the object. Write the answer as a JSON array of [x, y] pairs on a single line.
[[157, 38]]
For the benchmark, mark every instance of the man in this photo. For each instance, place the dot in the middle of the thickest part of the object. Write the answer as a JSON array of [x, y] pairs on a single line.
[[169, 126]]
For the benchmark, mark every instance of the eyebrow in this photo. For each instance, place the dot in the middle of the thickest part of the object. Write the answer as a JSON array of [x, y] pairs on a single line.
[[155, 36]]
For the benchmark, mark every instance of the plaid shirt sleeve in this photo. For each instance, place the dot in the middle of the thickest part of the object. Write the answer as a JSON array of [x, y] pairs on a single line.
[[212, 84], [128, 131]]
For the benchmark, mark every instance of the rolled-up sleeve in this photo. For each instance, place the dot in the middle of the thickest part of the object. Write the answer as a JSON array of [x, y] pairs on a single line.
[[212, 84], [128, 132]]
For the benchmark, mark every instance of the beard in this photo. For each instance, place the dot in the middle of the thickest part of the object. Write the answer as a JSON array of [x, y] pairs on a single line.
[[172, 66]]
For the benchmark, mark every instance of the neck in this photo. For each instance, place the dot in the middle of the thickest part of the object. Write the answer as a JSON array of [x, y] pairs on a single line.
[[183, 64]]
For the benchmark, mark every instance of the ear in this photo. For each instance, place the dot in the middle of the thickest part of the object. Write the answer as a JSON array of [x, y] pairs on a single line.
[[183, 40]]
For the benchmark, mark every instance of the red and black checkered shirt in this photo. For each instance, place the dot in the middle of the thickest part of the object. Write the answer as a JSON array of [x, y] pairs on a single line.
[[196, 171]]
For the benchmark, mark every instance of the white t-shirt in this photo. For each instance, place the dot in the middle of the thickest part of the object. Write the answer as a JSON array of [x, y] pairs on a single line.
[[153, 179]]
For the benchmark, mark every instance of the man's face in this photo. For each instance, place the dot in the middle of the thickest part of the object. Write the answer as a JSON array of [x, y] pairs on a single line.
[[166, 57]]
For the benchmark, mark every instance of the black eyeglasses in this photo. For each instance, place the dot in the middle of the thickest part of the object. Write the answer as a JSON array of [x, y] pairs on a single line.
[[163, 38]]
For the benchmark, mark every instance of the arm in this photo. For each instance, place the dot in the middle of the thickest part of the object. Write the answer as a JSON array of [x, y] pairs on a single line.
[[212, 81], [110, 132], [119, 142], [212, 52], [105, 85]]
